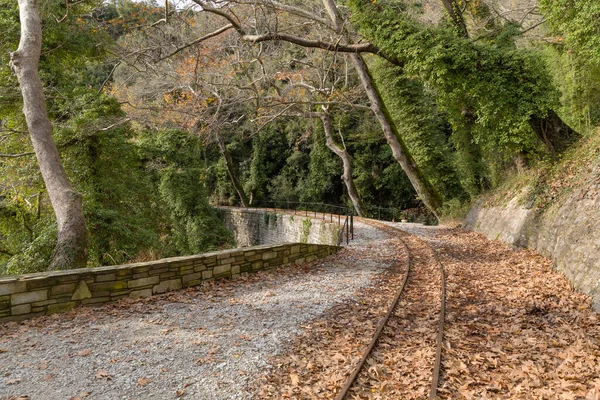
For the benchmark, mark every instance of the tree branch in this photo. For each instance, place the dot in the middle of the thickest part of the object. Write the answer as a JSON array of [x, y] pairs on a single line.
[[16, 155], [338, 47], [199, 40], [274, 36]]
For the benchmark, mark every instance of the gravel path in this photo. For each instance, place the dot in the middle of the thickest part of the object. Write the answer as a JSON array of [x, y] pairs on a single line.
[[209, 343]]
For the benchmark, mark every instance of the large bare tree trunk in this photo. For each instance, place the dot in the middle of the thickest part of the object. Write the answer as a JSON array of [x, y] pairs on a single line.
[[71, 247], [342, 153], [229, 165], [421, 185]]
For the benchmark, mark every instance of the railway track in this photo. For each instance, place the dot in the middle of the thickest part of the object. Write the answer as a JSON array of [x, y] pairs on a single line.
[[413, 336]]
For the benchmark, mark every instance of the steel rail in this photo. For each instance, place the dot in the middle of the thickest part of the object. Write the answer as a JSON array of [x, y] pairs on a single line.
[[383, 322], [380, 327]]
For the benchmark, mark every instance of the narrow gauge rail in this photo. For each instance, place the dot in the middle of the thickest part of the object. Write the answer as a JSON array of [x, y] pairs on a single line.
[[435, 376]]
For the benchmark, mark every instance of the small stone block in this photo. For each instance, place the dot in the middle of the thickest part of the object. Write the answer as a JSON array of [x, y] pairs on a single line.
[[66, 288], [275, 262], [120, 293], [158, 271], [257, 265], [195, 282], [212, 259], [207, 274], [108, 286], [221, 269], [12, 287], [152, 280], [186, 270], [235, 270], [200, 268], [40, 282], [167, 286], [254, 257], [82, 292], [20, 310], [141, 269], [226, 260], [106, 278], [122, 273], [191, 277], [138, 294], [29, 297], [270, 255]]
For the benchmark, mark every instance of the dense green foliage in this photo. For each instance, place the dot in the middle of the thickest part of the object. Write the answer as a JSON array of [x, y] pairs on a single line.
[[488, 89], [150, 173], [144, 197]]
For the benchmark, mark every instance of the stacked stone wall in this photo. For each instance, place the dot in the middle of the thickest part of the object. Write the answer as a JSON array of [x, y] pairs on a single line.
[[26, 296], [255, 227]]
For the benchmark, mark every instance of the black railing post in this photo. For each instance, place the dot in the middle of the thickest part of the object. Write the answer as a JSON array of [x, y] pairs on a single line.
[[352, 224], [347, 228]]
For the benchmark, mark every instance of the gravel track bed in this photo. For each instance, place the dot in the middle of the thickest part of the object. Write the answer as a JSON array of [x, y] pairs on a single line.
[[208, 343]]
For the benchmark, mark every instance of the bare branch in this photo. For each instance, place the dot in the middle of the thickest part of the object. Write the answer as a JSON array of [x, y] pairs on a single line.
[[290, 9], [16, 155], [199, 40], [123, 121], [339, 47], [231, 18]]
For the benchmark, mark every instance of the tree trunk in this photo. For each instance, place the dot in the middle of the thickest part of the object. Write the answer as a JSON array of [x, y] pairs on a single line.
[[229, 165], [71, 247], [553, 132], [421, 185], [342, 153]]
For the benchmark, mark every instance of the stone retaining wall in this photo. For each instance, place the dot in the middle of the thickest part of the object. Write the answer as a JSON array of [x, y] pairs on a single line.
[[26, 296], [254, 227], [567, 232]]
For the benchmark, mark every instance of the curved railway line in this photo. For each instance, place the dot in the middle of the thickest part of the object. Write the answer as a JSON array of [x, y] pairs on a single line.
[[413, 290]]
